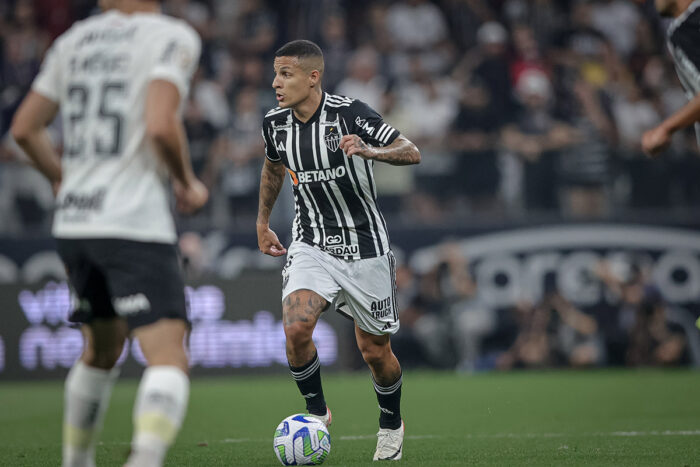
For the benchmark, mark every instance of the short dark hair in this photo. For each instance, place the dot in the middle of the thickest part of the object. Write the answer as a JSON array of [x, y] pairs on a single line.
[[300, 48]]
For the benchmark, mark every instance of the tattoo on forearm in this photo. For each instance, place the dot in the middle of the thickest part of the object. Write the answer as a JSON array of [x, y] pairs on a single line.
[[358, 142], [400, 152], [271, 181]]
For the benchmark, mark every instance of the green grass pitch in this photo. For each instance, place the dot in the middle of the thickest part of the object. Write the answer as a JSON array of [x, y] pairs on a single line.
[[614, 418]]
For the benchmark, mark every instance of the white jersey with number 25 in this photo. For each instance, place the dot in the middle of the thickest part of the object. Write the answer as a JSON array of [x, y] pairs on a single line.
[[114, 185]]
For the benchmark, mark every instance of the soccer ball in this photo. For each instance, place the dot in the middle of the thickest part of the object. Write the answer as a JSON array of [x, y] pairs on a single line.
[[301, 439]]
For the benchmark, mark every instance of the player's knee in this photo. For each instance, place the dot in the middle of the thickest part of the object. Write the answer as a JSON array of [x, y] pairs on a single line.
[[298, 333], [170, 354], [374, 355]]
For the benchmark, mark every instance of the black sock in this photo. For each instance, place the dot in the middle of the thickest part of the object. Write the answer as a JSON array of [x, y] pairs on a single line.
[[389, 399], [308, 378]]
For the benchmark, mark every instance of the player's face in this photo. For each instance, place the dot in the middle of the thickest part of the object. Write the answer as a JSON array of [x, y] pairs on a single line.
[[292, 83]]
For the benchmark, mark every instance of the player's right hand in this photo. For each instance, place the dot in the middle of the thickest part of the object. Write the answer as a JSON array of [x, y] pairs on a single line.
[[268, 242], [189, 198], [654, 141]]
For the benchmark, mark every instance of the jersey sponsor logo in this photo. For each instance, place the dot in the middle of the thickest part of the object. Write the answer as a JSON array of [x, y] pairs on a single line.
[[293, 174], [342, 250], [381, 308], [131, 304], [363, 125], [334, 240], [316, 176], [332, 139], [83, 202], [280, 146]]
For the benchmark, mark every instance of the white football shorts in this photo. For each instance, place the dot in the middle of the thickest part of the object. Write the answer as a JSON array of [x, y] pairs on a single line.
[[364, 289]]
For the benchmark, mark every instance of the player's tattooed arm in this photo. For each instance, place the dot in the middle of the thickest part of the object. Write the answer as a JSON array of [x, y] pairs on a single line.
[[271, 181], [400, 152]]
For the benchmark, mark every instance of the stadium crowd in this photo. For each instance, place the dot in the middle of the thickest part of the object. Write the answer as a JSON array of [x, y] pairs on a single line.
[[520, 108], [446, 323]]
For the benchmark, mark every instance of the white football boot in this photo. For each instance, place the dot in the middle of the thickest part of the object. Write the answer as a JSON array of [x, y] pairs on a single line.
[[326, 419], [389, 444]]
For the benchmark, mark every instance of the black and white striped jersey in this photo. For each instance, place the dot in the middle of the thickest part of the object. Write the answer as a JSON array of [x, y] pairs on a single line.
[[335, 196], [684, 45]]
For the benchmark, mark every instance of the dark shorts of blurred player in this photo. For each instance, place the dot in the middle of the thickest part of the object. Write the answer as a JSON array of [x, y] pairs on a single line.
[[138, 281]]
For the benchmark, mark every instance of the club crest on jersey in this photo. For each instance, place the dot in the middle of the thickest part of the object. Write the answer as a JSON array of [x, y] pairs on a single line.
[[332, 139]]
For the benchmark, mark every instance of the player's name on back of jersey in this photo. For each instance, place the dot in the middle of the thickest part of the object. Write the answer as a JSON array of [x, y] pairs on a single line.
[[99, 62]]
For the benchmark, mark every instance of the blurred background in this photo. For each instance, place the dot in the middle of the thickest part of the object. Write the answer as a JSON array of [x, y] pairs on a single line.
[[534, 233]]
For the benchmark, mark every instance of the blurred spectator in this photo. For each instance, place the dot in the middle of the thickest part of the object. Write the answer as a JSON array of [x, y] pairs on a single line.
[[527, 54], [578, 342], [489, 62], [553, 332], [533, 343], [537, 139], [465, 17], [23, 45], [431, 104], [201, 133], [585, 170], [255, 31], [475, 176], [652, 339], [471, 320], [617, 20], [336, 51], [543, 16], [362, 79], [418, 30], [235, 163], [211, 101], [634, 113]]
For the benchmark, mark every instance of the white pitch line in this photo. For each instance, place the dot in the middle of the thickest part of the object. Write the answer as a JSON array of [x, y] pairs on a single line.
[[611, 434]]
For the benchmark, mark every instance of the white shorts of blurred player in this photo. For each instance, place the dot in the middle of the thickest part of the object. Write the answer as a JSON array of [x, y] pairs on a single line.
[[364, 290]]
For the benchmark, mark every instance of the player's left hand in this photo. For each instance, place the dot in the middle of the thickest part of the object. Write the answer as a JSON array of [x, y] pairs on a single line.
[[654, 141], [189, 198], [353, 144]]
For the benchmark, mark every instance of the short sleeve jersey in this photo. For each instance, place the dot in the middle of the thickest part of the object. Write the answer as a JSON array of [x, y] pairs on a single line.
[[335, 196], [114, 185]]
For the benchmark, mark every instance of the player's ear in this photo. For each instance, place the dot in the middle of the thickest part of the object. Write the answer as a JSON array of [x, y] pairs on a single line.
[[314, 78]]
